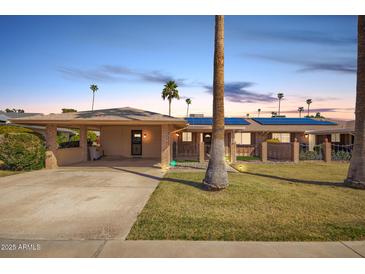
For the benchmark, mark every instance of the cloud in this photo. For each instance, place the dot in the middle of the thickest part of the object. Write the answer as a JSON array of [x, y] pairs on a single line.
[[347, 66], [335, 67], [302, 36], [111, 73], [237, 92]]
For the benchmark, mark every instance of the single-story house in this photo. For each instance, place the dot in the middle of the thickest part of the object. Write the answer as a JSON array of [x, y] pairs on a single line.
[[124, 132], [246, 133], [134, 133], [342, 133]]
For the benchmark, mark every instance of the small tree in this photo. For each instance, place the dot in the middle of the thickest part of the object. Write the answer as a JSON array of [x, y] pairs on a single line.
[[170, 92], [300, 110], [188, 102], [67, 110], [94, 88], [258, 112]]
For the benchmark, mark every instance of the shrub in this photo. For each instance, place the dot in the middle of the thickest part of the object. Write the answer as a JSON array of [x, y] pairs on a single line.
[[91, 137], [341, 155], [22, 151], [309, 155], [14, 129]]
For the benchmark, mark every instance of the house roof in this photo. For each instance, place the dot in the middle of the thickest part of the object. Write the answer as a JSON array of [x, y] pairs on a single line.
[[252, 125], [117, 116], [5, 116], [344, 127]]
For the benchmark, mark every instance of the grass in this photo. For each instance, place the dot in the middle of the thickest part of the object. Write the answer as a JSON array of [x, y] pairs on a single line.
[[4, 173], [247, 158], [266, 202]]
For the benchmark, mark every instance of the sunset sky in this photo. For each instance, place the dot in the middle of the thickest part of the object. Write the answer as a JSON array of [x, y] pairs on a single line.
[[48, 63]]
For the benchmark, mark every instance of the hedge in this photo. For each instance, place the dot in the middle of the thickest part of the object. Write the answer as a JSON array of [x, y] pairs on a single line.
[[22, 151]]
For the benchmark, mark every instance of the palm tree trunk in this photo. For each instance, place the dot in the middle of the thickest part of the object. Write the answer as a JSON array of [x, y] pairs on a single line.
[[92, 107], [279, 106], [308, 110], [356, 174], [187, 111], [169, 107], [216, 177]]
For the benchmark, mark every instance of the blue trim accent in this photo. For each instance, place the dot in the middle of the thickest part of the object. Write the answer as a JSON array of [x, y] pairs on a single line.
[[209, 121]]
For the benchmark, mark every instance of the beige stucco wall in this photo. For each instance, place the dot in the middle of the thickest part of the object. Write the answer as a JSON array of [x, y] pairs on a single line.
[[68, 156], [116, 140]]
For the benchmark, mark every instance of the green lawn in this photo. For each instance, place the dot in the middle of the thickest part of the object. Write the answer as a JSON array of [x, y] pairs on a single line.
[[247, 158], [267, 202]]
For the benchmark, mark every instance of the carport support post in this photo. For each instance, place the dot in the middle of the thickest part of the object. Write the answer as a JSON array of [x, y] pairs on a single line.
[[83, 142], [201, 149], [327, 152], [263, 152], [233, 148], [51, 146], [165, 147], [295, 151]]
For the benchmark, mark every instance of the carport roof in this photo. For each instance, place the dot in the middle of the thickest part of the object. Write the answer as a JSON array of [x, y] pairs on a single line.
[[126, 115]]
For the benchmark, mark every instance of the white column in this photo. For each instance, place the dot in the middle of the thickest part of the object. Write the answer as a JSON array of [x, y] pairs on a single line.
[[311, 141]]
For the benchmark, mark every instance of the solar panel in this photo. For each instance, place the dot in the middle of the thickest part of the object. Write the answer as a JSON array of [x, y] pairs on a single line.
[[209, 121], [291, 121]]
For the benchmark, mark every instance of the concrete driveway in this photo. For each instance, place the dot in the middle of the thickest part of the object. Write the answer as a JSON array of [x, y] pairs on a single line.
[[75, 203]]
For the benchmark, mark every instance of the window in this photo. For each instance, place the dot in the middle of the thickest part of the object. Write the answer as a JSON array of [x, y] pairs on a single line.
[[282, 137], [242, 138], [187, 137], [335, 137]]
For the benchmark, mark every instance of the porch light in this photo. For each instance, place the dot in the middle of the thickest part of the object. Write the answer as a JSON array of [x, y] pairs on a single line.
[[177, 134], [144, 135], [306, 135]]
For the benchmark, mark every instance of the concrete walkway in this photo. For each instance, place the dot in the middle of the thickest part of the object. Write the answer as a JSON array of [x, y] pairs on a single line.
[[181, 249]]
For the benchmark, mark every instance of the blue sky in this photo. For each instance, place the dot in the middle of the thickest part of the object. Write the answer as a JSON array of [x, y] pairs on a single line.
[[48, 62]]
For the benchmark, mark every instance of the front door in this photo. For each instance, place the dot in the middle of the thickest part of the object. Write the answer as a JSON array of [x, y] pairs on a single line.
[[136, 142]]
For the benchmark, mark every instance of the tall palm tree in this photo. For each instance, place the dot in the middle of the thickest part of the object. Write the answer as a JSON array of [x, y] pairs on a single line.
[[188, 102], [216, 177], [280, 97], [309, 102], [258, 112], [94, 88], [300, 110], [356, 174], [170, 92]]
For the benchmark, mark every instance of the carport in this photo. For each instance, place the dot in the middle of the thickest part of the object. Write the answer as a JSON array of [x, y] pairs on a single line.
[[126, 134]]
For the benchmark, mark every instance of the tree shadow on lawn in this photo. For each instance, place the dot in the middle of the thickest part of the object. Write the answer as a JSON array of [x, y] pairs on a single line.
[[180, 181], [300, 181]]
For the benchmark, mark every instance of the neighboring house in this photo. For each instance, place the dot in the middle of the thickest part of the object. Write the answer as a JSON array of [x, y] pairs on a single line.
[[246, 133], [341, 134], [124, 132], [5, 118]]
